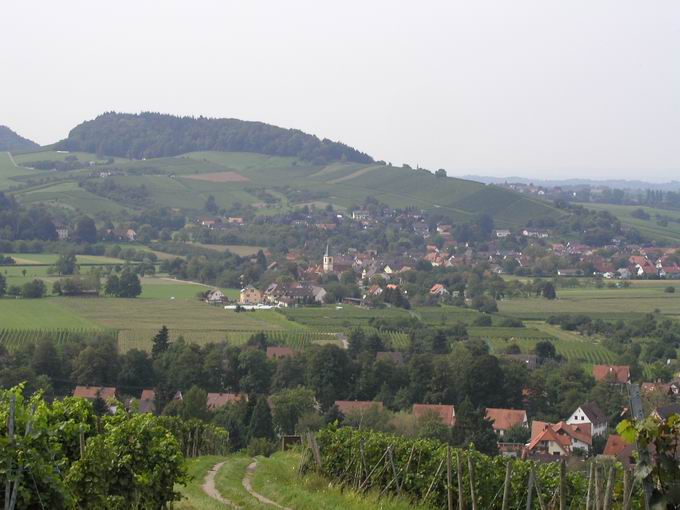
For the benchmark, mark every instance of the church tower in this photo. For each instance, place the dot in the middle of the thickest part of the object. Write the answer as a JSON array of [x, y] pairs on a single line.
[[327, 261]]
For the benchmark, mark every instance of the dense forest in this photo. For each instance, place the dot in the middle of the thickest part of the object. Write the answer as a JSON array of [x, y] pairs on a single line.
[[153, 135], [10, 141]]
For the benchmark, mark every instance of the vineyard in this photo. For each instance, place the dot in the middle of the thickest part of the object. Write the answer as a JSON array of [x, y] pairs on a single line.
[[298, 338], [428, 472], [13, 339]]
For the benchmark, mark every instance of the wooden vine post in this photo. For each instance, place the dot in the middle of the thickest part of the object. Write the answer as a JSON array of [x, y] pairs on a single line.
[[471, 475], [609, 491], [563, 485], [506, 485], [459, 475], [530, 488], [449, 479], [591, 479]]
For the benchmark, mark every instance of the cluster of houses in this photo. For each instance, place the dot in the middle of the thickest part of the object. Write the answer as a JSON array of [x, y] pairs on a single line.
[[572, 436]]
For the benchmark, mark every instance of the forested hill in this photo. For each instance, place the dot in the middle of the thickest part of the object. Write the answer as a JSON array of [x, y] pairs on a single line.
[[10, 141], [153, 135]]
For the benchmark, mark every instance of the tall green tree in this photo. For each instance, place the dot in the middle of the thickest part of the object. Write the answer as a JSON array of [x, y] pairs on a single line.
[[160, 342], [261, 425], [472, 427]]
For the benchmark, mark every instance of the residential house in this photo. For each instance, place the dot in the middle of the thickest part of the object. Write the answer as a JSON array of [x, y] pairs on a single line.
[[617, 374], [93, 392], [249, 295], [217, 400], [665, 412], [147, 401], [558, 439], [62, 233], [641, 266], [446, 413], [215, 296], [592, 414], [502, 233], [438, 290], [106, 393], [280, 352], [504, 419], [360, 215], [622, 450]]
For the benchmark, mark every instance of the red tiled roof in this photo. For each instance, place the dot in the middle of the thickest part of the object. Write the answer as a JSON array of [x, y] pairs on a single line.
[[620, 373], [616, 445], [504, 419], [280, 352], [217, 400], [91, 392], [447, 413], [148, 395]]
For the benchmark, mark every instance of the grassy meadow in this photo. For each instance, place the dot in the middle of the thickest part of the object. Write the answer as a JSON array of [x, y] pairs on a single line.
[[276, 478]]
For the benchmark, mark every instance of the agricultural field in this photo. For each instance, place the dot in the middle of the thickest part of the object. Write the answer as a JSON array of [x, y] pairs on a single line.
[[8, 170], [241, 250], [570, 345], [181, 182], [623, 303], [41, 314]]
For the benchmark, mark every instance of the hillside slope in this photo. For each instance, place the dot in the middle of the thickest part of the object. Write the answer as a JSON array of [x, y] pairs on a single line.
[[153, 135], [11, 141]]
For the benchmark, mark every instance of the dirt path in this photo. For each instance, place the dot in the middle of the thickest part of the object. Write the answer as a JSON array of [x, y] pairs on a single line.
[[11, 158], [248, 485], [210, 489]]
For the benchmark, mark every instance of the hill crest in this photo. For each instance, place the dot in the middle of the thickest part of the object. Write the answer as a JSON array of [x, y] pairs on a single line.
[[154, 135], [11, 141]]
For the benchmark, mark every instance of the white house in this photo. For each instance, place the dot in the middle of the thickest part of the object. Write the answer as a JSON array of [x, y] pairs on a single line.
[[590, 413], [215, 296]]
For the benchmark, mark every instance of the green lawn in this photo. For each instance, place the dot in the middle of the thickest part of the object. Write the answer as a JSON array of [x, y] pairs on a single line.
[[8, 170]]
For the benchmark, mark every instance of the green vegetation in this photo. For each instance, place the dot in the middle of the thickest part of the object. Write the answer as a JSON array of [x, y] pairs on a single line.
[[11, 141], [155, 135]]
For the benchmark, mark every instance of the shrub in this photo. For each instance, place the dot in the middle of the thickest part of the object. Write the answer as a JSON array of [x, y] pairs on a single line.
[[669, 290], [261, 446]]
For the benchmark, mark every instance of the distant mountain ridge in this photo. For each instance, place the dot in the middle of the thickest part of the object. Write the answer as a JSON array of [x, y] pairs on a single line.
[[154, 135], [611, 183], [11, 141]]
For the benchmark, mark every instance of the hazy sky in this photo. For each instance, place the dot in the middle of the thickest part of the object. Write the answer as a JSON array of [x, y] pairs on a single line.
[[540, 88]]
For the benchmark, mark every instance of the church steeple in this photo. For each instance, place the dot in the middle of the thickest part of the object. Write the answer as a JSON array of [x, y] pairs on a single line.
[[327, 260]]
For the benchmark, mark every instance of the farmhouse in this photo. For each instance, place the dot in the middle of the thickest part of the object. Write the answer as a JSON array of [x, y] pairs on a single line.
[[249, 295]]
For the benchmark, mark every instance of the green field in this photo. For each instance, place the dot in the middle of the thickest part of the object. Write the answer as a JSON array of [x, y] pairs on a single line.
[[623, 303], [570, 345], [8, 171], [45, 313]]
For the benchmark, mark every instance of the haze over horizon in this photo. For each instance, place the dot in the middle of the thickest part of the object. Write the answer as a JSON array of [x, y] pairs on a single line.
[[532, 88]]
